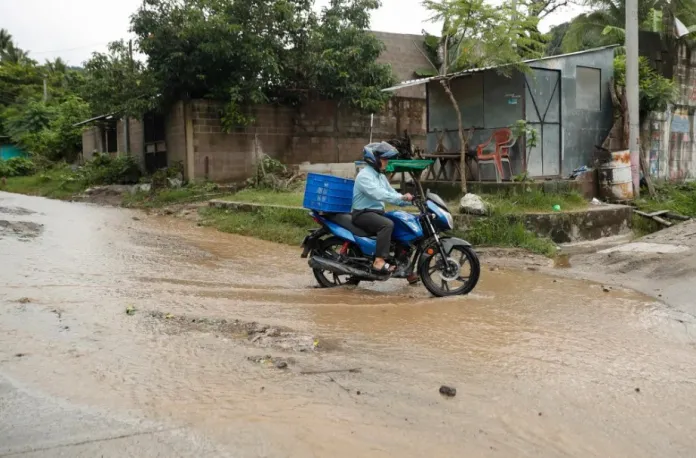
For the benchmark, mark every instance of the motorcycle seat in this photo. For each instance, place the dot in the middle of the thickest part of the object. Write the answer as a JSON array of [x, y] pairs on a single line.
[[345, 220]]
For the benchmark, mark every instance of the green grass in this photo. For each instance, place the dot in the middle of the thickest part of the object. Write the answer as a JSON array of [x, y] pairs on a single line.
[[54, 184], [530, 202], [497, 230], [643, 226], [503, 231], [288, 226], [162, 198], [268, 197], [677, 198]]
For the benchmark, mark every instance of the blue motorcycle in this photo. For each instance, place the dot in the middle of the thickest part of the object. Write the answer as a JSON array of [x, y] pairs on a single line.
[[342, 254]]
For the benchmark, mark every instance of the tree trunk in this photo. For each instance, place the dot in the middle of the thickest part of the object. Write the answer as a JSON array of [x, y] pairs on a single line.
[[462, 142]]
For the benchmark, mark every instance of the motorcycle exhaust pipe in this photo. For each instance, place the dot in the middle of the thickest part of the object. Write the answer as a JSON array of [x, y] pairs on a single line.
[[338, 268]]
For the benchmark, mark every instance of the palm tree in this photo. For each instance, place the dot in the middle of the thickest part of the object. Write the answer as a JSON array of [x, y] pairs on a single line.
[[14, 55], [56, 67], [5, 39], [605, 25]]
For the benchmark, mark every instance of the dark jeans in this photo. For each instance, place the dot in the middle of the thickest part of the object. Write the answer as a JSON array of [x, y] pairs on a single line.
[[374, 222]]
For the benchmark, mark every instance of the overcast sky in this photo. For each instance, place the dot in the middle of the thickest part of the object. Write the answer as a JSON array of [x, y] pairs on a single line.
[[73, 29]]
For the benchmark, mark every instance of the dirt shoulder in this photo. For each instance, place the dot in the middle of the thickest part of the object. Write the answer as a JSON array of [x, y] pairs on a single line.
[[662, 265]]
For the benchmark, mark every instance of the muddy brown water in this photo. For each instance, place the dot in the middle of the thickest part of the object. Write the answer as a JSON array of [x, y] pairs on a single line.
[[542, 366]]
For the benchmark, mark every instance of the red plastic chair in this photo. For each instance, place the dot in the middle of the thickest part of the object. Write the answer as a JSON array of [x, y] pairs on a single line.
[[503, 141]]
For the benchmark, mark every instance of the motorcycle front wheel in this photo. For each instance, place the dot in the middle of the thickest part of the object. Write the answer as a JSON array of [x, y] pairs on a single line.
[[455, 276]]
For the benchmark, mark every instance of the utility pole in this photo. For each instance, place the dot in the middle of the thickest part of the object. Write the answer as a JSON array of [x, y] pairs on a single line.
[[126, 120], [632, 91], [45, 94]]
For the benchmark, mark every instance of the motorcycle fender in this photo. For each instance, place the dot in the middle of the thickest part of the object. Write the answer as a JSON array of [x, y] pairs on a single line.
[[310, 241], [450, 242], [447, 243]]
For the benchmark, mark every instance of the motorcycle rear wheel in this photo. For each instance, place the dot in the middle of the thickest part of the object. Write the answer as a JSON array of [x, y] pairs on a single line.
[[432, 265], [330, 248]]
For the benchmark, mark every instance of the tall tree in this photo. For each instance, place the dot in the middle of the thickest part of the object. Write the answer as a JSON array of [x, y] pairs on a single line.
[[256, 51], [231, 51], [604, 24], [5, 39], [344, 56], [477, 34], [112, 81]]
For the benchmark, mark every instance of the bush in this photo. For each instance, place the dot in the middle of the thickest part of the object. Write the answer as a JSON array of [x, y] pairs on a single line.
[[17, 167], [105, 169]]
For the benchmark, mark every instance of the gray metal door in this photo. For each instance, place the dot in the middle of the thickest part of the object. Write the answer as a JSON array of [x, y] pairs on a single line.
[[543, 113]]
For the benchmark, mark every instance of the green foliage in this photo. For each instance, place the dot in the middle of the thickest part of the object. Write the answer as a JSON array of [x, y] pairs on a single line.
[[47, 130], [41, 127], [249, 52], [534, 201], [344, 56], [56, 183], [431, 44], [678, 198], [272, 174], [656, 91], [105, 169], [554, 39], [503, 231], [115, 82], [193, 192], [480, 34], [605, 22], [523, 131], [504, 227], [17, 167]]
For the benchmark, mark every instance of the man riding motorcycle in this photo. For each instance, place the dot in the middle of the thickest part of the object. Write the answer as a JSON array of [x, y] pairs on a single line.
[[372, 189]]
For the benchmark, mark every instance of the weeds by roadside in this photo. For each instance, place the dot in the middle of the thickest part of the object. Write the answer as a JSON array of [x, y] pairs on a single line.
[[532, 201], [288, 226], [268, 197], [677, 198], [61, 181], [502, 231], [161, 198], [642, 226], [58, 183], [499, 229]]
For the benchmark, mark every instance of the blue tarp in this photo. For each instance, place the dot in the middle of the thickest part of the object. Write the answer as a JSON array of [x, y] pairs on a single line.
[[10, 151]]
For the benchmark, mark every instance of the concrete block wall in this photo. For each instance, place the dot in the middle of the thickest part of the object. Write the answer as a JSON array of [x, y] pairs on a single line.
[[221, 156], [136, 137], [325, 133], [91, 142], [175, 130], [120, 137], [405, 54]]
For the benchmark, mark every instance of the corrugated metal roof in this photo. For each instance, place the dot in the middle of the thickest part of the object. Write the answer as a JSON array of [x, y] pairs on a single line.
[[96, 118], [420, 81]]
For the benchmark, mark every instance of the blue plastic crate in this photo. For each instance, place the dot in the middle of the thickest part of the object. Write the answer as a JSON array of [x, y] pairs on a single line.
[[330, 194]]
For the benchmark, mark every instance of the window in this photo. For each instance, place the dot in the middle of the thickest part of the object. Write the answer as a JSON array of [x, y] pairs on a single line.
[[588, 89]]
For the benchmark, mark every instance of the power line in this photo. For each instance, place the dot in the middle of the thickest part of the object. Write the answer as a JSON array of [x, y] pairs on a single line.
[[70, 49]]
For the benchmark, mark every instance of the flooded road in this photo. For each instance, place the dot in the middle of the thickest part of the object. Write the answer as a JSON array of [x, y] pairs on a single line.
[[228, 339]]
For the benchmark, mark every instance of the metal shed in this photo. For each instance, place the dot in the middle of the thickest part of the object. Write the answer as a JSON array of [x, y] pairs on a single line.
[[565, 98]]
